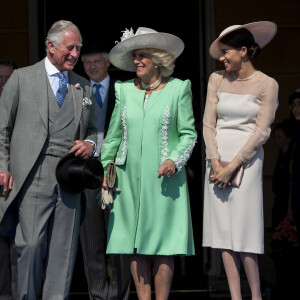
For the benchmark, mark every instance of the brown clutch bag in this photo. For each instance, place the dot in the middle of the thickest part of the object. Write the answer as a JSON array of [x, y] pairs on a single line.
[[107, 195], [111, 175], [236, 177]]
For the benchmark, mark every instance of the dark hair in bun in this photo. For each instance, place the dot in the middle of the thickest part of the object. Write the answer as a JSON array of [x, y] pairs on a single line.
[[242, 38], [295, 95]]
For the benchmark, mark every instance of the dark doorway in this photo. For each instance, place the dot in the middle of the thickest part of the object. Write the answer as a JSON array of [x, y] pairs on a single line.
[[106, 19]]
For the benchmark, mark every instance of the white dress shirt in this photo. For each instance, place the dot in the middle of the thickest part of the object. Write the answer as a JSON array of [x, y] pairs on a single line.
[[51, 71]]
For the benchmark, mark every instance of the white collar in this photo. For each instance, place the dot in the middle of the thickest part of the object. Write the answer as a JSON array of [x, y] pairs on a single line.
[[51, 69], [104, 82]]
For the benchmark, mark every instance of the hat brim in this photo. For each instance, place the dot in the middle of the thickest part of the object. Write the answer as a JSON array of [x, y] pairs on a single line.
[[121, 54], [60, 175], [262, 31], [76, 183]]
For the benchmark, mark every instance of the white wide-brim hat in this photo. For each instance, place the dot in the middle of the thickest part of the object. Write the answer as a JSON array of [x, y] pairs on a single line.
[[262, 31], [121, 54]]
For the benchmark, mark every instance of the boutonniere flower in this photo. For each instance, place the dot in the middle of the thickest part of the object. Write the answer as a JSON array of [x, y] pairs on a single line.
[[86, 101], [77, 85]]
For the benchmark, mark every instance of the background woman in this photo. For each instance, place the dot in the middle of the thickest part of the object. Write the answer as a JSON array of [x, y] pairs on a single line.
[[150, 138], [240, 107], [281, 179], [294, 101]]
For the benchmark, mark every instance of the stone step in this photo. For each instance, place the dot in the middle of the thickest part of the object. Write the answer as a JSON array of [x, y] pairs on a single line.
[[174, 295]]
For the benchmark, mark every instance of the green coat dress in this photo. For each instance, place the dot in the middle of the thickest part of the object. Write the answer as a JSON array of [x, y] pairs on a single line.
[[150, 215]]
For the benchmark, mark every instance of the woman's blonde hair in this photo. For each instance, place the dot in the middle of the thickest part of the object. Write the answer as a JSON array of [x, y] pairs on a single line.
[[163, 59]]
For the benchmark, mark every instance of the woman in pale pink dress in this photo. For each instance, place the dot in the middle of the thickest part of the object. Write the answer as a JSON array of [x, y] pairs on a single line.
[[240, 108]]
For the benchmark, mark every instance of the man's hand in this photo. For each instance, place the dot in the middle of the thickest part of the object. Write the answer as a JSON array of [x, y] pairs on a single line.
[[6, 180], [166, 169], [82, 149]]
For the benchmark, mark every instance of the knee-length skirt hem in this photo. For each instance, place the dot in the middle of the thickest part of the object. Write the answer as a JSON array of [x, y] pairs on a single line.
[[233, 218], [255, 249], [143, 253]]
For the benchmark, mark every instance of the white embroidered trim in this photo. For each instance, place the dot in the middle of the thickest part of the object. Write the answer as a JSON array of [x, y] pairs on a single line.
[[181, 160], [121, 160], [147, 96], [164, 130]]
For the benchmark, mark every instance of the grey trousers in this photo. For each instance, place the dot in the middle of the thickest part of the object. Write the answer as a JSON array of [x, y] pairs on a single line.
[[108, 276], [47, 234], [8, 269]]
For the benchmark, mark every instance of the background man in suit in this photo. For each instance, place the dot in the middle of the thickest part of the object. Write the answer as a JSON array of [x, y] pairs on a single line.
[[45, 112], [8, 256], [94, 228]]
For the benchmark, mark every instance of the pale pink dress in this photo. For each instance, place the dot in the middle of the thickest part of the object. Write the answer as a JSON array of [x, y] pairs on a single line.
[[237, 121]]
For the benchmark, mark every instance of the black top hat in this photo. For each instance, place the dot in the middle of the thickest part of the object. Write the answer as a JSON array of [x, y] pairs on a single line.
[[74, 174], [94, 46]]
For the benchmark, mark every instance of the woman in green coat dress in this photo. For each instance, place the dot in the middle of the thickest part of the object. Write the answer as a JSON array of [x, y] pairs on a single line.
[[150, 138]]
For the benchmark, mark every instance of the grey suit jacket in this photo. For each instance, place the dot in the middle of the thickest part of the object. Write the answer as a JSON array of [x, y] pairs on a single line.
[[24, 124]]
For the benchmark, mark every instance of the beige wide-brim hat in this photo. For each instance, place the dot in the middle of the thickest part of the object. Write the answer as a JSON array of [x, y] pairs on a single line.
[[262, 31], [121, 54]]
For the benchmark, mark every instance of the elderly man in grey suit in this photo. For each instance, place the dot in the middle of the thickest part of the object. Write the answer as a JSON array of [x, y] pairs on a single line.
[[46, 111]]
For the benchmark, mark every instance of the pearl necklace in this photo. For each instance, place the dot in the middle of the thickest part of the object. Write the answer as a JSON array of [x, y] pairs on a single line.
[[153, 85]]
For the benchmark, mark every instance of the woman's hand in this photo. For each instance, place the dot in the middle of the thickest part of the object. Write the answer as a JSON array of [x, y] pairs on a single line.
[[222, 175], [104, 184], [217, 167], [167, 169], [215, 164]]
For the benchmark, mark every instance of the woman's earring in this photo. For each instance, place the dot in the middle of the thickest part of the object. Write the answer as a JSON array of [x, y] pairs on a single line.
[[155, 67]]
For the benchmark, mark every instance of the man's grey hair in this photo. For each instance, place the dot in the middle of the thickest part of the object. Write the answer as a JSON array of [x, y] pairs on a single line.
[[55, 33]]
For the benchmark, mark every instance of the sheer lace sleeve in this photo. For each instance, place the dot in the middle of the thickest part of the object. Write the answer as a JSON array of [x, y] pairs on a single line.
[[210, 116], [265, 117]]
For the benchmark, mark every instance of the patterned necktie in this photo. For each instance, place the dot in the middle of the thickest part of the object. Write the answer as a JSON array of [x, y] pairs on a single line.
[[97, 94], [62, 89]]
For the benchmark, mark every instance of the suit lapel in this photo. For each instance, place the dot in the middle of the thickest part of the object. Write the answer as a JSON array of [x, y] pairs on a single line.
[[39, 88], [111, 102], [77, 94]]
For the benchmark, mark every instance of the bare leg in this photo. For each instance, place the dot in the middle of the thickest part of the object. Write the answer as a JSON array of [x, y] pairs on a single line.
[[141, 274], [232, 263], [163, 275], [250, 263]]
